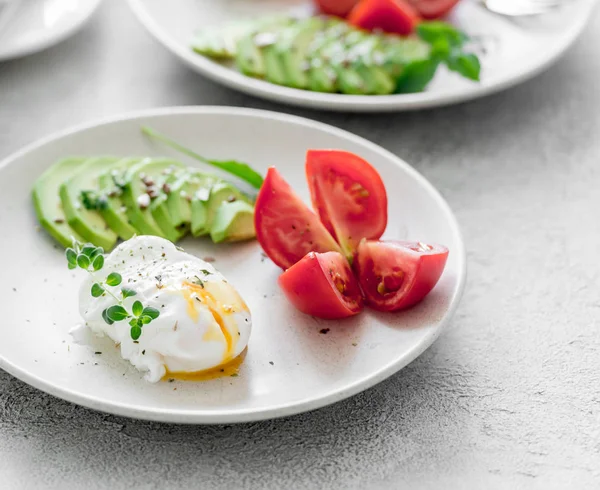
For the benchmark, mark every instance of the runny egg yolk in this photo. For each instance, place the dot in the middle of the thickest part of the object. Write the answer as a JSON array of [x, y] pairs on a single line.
[[206, 293]]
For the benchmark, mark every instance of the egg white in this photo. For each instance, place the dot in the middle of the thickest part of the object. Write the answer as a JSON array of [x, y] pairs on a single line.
[[203, 321]]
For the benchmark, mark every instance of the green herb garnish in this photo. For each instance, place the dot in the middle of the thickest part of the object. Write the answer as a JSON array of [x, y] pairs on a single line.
[[92, 200], [91, 259], [241, 170], [447, 43]]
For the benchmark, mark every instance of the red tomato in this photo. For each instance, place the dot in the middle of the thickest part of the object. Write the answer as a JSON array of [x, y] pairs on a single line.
[[341, 8], [285, 227], [396, 275], [433, 9], [349, 196], [322, 285], [395, 16]]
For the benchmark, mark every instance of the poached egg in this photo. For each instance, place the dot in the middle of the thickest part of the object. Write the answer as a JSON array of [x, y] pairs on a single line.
[[203, 322]]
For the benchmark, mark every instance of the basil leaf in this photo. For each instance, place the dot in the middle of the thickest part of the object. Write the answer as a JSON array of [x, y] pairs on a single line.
[[436, 31], [466, 64], [416, 76]]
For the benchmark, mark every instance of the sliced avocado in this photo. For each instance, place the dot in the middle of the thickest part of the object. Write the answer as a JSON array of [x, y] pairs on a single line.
[[140, 181], [220, 43], [367, 59], [250, 54], [47, 203], [293, 48], [398, 52], [205, 205], [321, 77], [233, 222], [331, 68], [80, 209], [159, 208], [199, 208], [182, 193], [114, 210], [338, 54]]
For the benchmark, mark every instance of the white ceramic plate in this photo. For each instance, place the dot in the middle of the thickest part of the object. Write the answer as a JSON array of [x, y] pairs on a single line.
[[516, 50], [290, 366], [34, 25]]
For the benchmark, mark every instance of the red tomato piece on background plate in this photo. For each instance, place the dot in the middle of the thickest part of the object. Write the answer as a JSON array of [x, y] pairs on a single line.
[[341, 8], [349, 196], [393, 16], [322, 285], [285, 227], [433, 9], [396, 275]]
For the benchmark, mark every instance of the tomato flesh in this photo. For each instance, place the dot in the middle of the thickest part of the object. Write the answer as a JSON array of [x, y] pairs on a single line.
[[322, 285], [397, 275], [348, 195], [285, 227], [393, 16], [341, 8], [433, 9]]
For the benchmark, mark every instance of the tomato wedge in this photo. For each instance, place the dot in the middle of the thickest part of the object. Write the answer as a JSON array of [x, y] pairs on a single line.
[[322, 285], [394, 16], [397, 275], [285, 227], [341, 8], [349, 196], [433, 9]]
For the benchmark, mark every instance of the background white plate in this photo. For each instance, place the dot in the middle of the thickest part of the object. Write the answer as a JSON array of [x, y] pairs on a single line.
[[40, 24], [516, 49], [290, 366]]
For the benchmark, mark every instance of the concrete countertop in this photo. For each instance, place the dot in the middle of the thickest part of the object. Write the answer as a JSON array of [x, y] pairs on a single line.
[[508, 397]]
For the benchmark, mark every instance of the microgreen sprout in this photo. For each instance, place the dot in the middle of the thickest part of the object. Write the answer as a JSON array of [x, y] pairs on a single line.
[[91, 259]]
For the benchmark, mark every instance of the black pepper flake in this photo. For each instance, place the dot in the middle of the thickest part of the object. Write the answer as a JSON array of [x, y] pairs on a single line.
[[271, 363], [15, 290], [144, 352], [324, 331], [171, 380], [234, 375], [98, 353]]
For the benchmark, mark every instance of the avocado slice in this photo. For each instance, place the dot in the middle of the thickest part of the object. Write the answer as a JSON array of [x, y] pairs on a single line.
[[114, 210], [47, 203], [182, 193], [205, 205], [293, 48], [255, 54], [367, 60], [159, 208], [321, 77], [399, 52], [137, 196], [338, 54], [220, 43], [233, 222], [81, 213]]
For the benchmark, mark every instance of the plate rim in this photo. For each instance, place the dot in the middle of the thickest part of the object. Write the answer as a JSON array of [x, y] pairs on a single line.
[[199, 417], [356, 103], [47, 43]]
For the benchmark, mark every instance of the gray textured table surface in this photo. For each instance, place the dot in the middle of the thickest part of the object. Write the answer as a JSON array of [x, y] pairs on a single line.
[[508, 397]]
